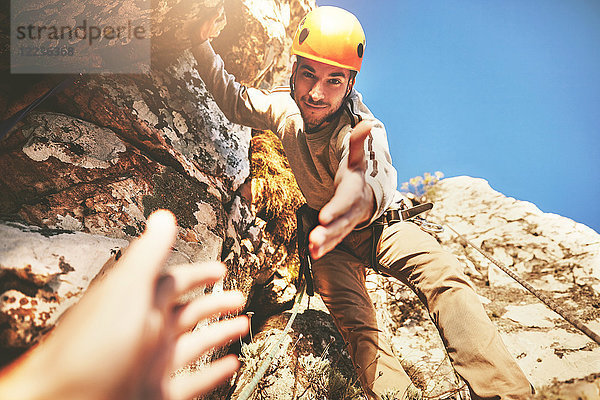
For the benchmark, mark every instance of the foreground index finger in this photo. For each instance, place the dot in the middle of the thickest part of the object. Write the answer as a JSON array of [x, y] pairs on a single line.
[[149, 252]]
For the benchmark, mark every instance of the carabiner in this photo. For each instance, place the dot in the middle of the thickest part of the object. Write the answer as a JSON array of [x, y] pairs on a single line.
[[428, 226]]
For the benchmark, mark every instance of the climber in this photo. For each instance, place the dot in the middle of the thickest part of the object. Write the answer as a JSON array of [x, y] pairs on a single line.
[[339, 154]]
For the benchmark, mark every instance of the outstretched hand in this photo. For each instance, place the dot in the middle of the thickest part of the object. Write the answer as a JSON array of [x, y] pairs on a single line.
[[352, 202], [129, 332]]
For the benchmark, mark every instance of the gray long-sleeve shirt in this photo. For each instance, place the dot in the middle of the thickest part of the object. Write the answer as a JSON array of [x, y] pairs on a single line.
[[314, 157]]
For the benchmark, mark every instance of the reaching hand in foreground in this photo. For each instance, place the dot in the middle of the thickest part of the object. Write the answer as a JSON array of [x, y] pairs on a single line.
[[128, 333], [352, 202]]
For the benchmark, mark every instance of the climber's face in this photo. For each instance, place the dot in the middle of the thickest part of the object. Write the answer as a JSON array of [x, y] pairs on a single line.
[[319, 89]]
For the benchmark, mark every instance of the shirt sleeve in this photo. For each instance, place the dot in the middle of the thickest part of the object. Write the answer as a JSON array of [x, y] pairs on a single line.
[[242, 105], [380, 174]]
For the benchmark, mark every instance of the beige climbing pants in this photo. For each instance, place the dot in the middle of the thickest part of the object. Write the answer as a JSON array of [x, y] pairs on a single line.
[[414, 257]]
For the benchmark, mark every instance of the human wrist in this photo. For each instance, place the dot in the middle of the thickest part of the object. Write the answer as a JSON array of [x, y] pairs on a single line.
[[40, 374], [22, 379], [370, 206]]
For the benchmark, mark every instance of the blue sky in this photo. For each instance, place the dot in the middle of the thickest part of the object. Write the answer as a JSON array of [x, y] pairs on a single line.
[[508, 91]]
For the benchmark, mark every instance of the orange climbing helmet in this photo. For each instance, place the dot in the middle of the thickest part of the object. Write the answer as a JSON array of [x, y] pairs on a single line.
[[331, 35]]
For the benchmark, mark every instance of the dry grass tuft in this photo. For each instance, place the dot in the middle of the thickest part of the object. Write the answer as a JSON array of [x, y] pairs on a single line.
[[275, 193]]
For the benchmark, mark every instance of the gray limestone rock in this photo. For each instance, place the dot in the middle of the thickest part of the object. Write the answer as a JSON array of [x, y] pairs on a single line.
[[554, 254], [43, 272]]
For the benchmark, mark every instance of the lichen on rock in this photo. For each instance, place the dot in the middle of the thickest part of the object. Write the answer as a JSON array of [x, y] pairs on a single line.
[[70, 140]]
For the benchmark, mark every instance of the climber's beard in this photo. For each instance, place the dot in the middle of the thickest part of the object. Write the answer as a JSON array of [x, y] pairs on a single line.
[[316, 114]]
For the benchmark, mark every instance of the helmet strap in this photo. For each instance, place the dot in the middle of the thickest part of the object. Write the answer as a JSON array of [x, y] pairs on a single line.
[[350, 86], [293, 80]]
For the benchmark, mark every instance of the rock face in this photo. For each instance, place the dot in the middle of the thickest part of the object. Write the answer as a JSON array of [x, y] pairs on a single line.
[[87, 167], [43, 273], [555, 255]]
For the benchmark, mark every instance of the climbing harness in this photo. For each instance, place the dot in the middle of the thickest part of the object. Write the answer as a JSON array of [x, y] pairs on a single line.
[[398, 214], [307, 219], [550, 303]]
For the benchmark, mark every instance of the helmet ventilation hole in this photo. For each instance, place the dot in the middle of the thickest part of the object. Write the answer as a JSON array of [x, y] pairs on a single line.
[[303, 35]]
